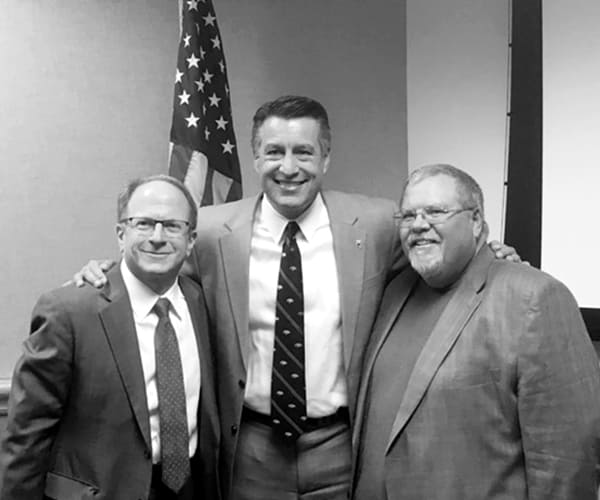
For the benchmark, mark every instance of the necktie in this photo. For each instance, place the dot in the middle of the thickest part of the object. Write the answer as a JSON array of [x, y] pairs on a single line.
[[174, 438], [288, 386]]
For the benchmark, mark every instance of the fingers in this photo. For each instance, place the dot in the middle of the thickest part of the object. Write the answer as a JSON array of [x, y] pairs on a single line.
[[93, 273]]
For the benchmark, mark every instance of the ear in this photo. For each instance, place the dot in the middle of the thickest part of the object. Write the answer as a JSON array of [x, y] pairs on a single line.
[[120, 230], [256, 164], [478, 224], [191, 240], [326, 162]]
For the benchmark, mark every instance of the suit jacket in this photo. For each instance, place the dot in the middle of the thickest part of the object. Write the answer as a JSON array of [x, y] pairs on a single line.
[[504, 399], [366, 248], [78, 424]]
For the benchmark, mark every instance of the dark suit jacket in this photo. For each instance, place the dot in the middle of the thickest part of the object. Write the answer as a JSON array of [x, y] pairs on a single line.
[[78, 423], [366, 249], [504, 399]]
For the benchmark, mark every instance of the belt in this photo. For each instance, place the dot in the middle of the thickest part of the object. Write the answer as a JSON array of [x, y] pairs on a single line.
[[310, 424]]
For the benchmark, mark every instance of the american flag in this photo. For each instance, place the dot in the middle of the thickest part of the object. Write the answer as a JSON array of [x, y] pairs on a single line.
[[203, 152]]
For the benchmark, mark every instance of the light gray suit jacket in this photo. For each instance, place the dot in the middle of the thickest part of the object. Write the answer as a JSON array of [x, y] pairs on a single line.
[[504, 399], [366, 250]]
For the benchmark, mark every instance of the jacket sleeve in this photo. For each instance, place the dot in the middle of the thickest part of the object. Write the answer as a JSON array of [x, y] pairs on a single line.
[[558, 398], [39, 390]]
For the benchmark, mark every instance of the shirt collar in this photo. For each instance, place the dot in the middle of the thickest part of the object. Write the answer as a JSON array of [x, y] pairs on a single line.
[[312, 219], [143, 299]]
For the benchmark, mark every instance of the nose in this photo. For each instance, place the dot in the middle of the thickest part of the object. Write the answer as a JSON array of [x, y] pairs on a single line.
[[158, 235], [420, 223], [288, 165]]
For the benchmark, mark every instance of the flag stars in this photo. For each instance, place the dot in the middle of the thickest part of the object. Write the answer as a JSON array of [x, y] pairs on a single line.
[[199, 85], [193, 5], [202, 53], [186, 40], [209, 20], [221, 123], [206, 133], [178, 75], [228, 147], [222, 66], [193, 61], [207, 76], [216, 42], [214, 100], [192, 120], [184, 98]]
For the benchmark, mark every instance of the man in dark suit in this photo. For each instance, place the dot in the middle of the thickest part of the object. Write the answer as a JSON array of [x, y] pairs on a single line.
[[480, 379], [348, 247], [113, 395]]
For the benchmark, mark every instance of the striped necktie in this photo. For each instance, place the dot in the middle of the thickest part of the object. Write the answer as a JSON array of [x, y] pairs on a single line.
[[288, 385]]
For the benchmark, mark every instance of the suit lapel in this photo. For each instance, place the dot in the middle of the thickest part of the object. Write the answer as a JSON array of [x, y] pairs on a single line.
[[117, 318], [349, 249], [394, 298], [461, 306], [235, 252]]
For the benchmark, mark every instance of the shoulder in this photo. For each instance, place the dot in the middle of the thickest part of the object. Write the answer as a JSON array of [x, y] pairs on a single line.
[[69, 299], [213, 215], [528, 284]]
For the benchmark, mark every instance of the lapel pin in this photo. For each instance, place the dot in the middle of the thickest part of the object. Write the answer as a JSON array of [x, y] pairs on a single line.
[[359, 243]]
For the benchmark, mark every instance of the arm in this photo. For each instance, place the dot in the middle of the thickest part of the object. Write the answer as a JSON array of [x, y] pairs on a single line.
[[39, 391], [558, 398]]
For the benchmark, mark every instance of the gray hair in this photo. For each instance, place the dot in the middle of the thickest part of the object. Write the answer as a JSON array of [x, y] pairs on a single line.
[[289, 107], [127, 193], [470, 191]]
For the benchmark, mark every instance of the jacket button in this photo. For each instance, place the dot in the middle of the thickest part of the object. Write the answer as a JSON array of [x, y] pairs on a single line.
[[242, 384], [234, 429]]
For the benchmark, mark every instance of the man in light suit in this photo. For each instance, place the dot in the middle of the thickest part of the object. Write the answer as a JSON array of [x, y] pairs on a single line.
[[349, 248], [86, 416], [480, 379]]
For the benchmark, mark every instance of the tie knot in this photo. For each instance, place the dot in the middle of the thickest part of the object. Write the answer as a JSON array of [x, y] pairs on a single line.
[[290, 230], [161, 308]]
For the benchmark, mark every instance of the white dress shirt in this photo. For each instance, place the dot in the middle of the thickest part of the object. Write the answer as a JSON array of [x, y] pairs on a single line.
[[325, 378], [142, 301]]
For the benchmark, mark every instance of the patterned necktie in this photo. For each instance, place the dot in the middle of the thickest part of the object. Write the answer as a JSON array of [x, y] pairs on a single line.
[[174, 438], [288, 386]]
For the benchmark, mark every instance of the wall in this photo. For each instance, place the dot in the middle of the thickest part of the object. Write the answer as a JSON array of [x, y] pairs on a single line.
[[570, 238], [85, 97], [456, 91]]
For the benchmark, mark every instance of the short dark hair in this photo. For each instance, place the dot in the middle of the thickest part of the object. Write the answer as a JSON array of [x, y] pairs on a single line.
[[127, 193], [471, 193], [293, 106]]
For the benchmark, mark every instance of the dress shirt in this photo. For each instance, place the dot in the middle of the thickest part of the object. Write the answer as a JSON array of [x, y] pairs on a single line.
[[325, 378], [142, 301]]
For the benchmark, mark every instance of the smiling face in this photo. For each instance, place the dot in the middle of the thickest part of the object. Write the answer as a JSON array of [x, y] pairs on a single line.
[[290, 163], [439, 253], [156, 258]]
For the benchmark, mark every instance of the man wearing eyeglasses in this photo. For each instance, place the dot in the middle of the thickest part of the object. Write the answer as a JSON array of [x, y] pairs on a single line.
[[480, 381], [113, 397]]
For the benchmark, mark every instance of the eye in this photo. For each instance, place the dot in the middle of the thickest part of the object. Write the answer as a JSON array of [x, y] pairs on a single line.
[[171, 225], [273, 152], [143, 223], [408, 216], [435, 213]]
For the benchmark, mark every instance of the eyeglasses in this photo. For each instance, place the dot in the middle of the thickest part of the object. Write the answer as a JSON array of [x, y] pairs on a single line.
[[431, 215], [146, 225]]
